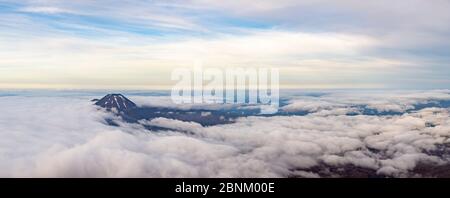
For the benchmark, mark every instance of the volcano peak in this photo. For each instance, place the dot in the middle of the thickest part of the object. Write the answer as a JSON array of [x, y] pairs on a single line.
[[116, 101]]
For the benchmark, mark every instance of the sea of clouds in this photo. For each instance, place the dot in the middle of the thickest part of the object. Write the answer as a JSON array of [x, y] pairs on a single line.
[[67, 136]]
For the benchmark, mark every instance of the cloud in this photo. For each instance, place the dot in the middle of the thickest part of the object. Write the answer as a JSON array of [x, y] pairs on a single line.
[[65, 136], [45, 10], [172, 124], [394, 101], [83, 62], [383, 18]]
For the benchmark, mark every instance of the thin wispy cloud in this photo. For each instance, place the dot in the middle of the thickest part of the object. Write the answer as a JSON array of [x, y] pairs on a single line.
[[45, 10]]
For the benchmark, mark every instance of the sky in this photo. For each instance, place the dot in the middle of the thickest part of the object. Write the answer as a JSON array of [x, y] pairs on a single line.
[[64, 44]]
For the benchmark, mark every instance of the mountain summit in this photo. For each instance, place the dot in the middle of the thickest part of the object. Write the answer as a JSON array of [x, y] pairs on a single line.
[[116, 101]]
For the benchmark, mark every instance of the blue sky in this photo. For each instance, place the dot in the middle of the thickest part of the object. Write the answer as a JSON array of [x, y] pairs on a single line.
[[316, 44]]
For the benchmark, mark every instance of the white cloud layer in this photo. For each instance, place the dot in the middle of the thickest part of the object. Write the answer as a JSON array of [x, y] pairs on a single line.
[[382, 101], [67, 137]]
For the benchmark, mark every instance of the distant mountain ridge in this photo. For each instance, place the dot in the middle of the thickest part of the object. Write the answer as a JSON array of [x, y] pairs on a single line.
[[130, 112]]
